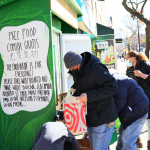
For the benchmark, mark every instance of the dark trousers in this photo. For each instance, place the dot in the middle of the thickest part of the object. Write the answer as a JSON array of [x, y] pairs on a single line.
[[119, 144], [68, 146]]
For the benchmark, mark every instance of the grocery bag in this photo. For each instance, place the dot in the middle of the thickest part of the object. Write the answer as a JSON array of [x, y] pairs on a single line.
[[74, 112], [118, 123], [114, 137]]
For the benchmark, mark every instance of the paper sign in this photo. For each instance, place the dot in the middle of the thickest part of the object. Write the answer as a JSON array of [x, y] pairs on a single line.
[[26, 82]]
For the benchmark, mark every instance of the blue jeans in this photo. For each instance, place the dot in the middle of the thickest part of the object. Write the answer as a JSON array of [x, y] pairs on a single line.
[[131, 133], [148, 126], [100, 136]]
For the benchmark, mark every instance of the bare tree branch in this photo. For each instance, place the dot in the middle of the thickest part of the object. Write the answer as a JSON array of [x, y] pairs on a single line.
[[143, 6], [135, 13], [132, 5], [137, 4]]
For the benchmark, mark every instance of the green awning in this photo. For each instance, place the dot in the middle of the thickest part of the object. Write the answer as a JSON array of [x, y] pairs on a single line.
[[75, 7], [103, 30]]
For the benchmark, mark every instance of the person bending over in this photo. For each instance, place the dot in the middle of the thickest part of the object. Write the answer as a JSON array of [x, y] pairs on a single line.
[[55, 136]]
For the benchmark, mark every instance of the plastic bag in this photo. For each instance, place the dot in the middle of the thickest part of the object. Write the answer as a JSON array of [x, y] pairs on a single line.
[[114, 137], [74, 112], [118, 123]]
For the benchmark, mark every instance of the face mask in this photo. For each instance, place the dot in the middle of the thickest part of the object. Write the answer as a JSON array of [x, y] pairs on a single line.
[[76, 72], [128, 63]]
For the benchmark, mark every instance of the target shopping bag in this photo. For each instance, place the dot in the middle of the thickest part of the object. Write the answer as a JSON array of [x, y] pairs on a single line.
[[74, 112]]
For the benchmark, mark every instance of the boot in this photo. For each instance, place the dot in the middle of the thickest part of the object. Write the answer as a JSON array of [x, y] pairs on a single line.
[[139, 143], [148, 145]]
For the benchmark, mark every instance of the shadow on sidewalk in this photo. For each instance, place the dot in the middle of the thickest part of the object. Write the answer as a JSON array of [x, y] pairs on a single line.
[[144, 132]]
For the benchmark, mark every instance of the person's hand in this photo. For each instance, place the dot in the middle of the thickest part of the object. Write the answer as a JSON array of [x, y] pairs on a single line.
[[72, 90], [82, 97], [138, 73]]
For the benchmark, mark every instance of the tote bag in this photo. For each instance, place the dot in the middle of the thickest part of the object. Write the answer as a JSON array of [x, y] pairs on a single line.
[[74, 112]]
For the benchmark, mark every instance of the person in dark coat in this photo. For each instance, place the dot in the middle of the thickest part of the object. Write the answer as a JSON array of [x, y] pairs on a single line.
[[132, 106], [139, 69], [94, 85], [55, 136]]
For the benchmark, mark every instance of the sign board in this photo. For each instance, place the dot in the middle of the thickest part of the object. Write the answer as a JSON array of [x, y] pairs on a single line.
[[119, 41], [102, 45], [104, 50], [26, 84]]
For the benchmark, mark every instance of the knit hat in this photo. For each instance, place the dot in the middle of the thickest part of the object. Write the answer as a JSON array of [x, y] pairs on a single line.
[[72, 58]]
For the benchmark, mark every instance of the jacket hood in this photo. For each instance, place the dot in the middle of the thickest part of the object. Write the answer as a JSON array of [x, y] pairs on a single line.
[[113, 71], [88, 60]]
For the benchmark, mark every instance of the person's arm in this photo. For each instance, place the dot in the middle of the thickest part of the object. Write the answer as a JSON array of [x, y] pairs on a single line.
[[146, 76], [39, 134], [72, 140], [120, 98], [106, 82], [73, 89], [147, 67]]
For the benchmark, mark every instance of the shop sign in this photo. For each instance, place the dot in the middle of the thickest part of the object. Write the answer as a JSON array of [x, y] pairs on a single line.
[[104, 50], [118, 40], [102, 45]]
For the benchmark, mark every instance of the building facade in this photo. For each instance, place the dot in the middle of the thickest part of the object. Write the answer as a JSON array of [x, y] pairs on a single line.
[[99, 10]]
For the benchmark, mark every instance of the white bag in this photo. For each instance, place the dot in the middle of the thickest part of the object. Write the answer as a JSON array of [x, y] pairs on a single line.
[[74, 112]]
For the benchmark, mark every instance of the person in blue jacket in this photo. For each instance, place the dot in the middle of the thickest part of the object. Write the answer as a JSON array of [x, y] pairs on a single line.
[[55, 136], [133, 106]]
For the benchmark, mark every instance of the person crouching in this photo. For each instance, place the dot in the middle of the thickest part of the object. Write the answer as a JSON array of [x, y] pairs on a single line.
[[55, 136]]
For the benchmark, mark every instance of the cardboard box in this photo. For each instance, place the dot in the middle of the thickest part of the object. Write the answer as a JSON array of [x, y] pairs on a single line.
[[84, 144]]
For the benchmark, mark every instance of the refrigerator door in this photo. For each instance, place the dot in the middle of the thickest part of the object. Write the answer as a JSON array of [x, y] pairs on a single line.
[[72, 42]]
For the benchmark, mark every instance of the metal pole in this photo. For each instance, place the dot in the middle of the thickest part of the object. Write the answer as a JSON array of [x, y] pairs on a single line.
[[138, 31], [138, 35]]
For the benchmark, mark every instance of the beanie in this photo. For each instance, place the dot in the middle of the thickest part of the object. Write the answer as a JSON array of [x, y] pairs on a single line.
[[72, 58]]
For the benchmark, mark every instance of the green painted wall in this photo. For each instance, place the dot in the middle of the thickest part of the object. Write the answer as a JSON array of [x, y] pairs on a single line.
[[56, 23], [19, 130], [4, 2]]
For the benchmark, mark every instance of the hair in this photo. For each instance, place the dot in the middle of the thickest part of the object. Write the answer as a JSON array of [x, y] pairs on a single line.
[[140, 56], [59, 116]]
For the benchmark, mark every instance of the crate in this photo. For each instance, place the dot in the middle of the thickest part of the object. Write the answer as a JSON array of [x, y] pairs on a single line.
[[60, 98], [84, 144]]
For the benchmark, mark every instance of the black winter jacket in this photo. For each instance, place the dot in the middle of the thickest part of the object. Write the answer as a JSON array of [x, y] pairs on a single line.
[[144, 67], [131, 101], [96, 81]]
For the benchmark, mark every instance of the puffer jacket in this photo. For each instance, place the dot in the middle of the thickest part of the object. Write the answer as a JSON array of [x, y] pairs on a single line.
[[96, 81], [131, 101], [144, 67]]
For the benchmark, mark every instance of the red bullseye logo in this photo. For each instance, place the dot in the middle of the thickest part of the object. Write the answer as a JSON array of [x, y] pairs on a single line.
[[75, 117]]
